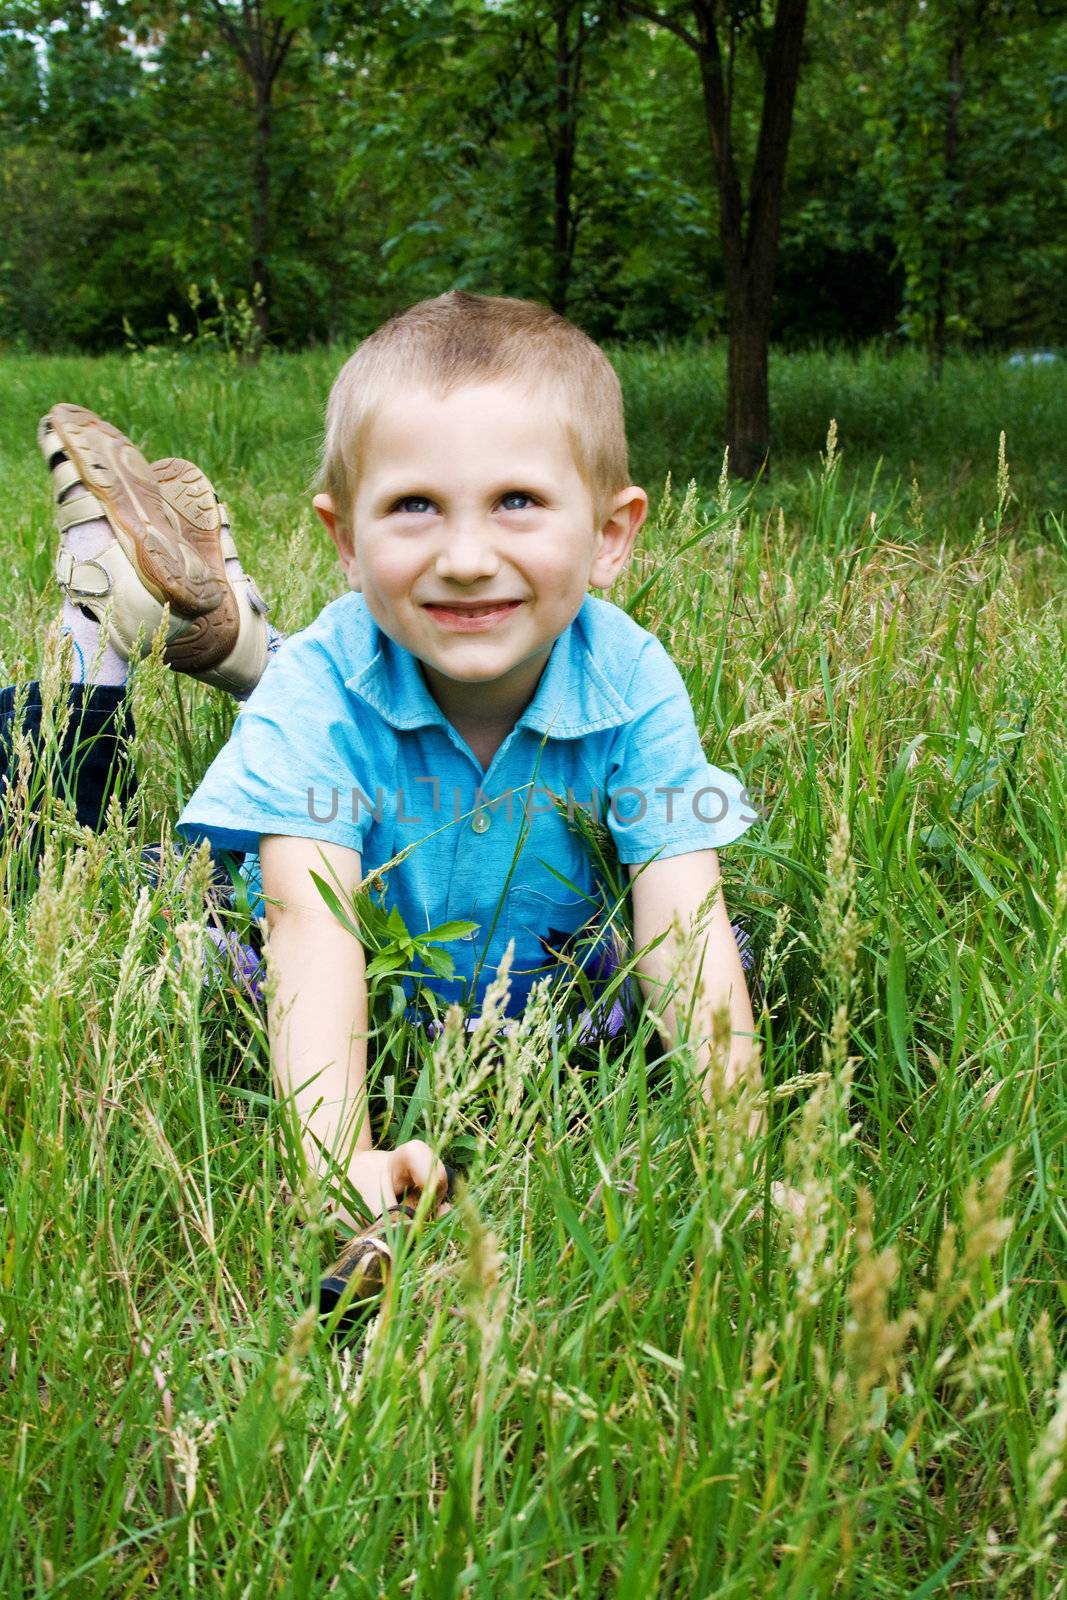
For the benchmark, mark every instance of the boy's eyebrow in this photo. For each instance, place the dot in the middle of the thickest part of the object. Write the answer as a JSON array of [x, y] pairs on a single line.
[[403, 488]]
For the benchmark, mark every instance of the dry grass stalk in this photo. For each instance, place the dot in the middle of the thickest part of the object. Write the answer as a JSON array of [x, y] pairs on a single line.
[[873, 1341]]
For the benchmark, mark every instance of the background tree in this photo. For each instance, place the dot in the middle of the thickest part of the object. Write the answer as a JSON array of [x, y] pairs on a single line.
[[966, 126], [521, 147], [551, 42], [749, 224], [261, 40], [521, 157]]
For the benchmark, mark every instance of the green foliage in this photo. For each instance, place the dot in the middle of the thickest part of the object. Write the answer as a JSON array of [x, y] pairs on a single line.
[[391, 948], [412, 149], [968, 125]]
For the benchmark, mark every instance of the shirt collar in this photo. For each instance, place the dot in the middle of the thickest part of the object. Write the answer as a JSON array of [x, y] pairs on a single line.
[[573, 697]]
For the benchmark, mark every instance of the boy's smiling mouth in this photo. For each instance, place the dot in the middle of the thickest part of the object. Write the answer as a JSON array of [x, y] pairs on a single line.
[[470, 615]]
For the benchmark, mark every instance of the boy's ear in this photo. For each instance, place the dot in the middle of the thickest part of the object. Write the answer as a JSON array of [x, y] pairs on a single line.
[[341, 536], [615, 539]]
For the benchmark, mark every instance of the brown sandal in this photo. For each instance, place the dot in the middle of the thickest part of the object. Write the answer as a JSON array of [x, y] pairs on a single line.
[[362, 1269], [210, 638], [117, 474]]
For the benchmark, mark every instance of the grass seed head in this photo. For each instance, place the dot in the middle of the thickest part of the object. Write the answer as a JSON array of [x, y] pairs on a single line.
[[985, 1229], [189, 1436], [55, 682], [1048, 1460], [57, 953], [485, 1300], [839, 929], [1004, 490], [816, 1166], [290, 1373], [873, 1341], [1042, 1351]]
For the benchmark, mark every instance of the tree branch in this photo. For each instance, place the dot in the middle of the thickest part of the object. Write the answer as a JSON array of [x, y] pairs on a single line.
[[768, 170], [229, 32], [280, 45], [717, 113], [659, 20]]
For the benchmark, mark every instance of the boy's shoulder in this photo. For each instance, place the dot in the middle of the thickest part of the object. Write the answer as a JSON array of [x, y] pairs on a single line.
[[342, 635], [632, 659], [603, 623], [314, 666]]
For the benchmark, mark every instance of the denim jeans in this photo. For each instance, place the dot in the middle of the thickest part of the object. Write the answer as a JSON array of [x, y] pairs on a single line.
[[92, 765]]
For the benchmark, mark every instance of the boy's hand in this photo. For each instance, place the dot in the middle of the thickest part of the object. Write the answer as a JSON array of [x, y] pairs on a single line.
[[787, 1200], [383, 1177]]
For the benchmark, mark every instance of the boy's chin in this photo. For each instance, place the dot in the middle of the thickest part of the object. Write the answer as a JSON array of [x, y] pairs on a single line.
[[486, 671]]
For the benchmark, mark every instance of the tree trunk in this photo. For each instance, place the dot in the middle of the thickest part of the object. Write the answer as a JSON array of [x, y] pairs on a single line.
[[567, 64], [260, 48], [748, 234], [747, 385], [946, 264], [261, 213]]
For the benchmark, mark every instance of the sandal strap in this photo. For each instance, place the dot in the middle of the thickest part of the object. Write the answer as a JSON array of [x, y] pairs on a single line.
[[227, 541], [64, 475], [255, 599], [81, 579], [62, 469], [82, 508], [49, 439]]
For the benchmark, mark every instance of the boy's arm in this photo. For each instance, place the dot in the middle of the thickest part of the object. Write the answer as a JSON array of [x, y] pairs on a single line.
[[675, 889], [317, 1022]]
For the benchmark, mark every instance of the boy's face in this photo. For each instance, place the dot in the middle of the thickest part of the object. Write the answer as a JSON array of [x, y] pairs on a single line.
[[474, 540]]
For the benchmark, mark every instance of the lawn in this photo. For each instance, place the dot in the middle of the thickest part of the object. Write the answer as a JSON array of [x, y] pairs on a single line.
[[612, 1368]]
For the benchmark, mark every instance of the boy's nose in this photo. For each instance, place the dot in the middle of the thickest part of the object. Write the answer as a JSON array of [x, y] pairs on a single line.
[[466, 554]]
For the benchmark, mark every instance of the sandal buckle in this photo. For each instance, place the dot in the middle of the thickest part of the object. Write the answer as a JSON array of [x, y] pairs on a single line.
[[78, 578]]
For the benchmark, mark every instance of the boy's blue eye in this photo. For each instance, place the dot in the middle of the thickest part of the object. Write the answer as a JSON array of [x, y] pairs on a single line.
[[417, 503], [516, 500]]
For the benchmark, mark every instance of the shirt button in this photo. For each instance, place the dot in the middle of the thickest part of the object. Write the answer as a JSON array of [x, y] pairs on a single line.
[[480, 822]]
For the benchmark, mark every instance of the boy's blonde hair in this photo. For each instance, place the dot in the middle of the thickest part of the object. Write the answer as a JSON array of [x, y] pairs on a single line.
[[459, 339]]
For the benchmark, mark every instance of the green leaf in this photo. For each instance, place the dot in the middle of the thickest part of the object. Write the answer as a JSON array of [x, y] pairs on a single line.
[[439, 962], [333, 900], [381, 964], [450, 930], [896, 1003]]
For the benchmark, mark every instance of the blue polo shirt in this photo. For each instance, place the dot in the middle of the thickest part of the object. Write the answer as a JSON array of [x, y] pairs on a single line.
[[342, 741]]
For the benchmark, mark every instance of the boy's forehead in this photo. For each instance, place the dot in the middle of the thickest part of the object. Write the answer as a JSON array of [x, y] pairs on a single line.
[[492, 419]]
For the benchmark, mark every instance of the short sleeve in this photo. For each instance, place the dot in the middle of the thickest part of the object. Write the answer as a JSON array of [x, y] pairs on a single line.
[[296, 762], [664, 798]]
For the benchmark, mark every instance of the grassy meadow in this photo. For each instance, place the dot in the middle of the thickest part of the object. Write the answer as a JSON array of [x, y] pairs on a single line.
[[612, 1369]]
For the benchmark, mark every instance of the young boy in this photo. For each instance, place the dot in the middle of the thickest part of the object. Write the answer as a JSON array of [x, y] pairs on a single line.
[[475, 486]]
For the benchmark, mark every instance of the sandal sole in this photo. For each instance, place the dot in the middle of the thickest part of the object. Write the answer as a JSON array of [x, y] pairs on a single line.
[[113, 469], [209, 638], [362, 1269]]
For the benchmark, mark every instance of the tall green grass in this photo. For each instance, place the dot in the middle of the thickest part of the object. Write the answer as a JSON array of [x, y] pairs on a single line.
[[611, 1369]]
